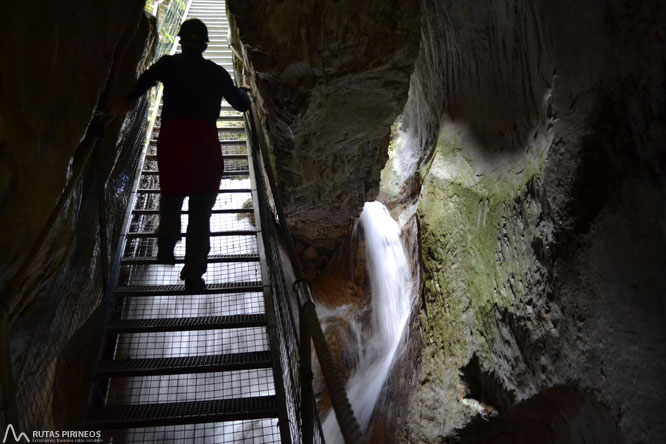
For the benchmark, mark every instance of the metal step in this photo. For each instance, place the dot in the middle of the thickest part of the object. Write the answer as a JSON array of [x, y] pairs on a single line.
[[222, 142], [224, 190], [222, 130], [226, 173], [186, 324], [185, 365], [192, 412], [220, 211], [150, 234], [177, 290], [226, 156], [212, 259]]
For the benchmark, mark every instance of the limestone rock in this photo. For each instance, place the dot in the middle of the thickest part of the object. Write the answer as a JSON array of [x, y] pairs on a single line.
[[60, 64], [536, 131], [330, 79]]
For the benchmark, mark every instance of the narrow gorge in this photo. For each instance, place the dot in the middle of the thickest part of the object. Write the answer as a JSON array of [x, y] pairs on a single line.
[[515, 146]]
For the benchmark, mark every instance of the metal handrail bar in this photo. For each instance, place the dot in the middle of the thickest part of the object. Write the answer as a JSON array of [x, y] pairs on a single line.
[[310, 323]]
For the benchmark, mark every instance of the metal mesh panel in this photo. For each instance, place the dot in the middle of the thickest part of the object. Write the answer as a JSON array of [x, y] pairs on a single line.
[[191, 343], [157, 275], [190, 387], [45, 333], [169, 24], [233, 432], [190, 306], [285, 307]]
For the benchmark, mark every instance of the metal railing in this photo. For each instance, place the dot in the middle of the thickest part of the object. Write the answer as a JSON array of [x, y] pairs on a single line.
[[168, 26], [295, 349], [15, 297]]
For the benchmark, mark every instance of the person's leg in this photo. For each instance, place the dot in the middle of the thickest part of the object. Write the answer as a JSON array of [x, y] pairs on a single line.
[[168, 232], [198, 239]]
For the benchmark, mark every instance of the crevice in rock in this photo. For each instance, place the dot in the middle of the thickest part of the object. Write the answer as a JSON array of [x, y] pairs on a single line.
[[484, 386], [558, 415]]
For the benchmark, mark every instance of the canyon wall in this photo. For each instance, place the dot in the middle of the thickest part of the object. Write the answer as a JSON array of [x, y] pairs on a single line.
[[330, 78], [532, 142], [60, 64], [530, 148]]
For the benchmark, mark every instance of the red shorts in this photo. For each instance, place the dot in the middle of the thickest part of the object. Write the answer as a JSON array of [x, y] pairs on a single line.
[[189, 157]]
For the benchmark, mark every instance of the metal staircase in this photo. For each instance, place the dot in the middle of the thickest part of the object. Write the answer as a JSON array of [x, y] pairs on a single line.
[[181, 367]]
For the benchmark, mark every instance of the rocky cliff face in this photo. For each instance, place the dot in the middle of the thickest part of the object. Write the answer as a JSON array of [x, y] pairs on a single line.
[[59, 65], [330, 79], [538, 147], [530, 148]]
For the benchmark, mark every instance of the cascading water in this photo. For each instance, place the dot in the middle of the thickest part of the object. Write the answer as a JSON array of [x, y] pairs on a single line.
[[391, 288]]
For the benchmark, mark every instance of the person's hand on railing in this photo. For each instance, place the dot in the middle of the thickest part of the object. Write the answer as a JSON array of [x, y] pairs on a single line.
[[248, 91]]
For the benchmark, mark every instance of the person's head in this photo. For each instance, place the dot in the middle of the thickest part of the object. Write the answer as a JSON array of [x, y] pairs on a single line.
[[193, 35]]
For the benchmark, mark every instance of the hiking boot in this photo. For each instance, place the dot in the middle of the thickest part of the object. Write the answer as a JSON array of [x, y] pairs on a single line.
[[195, 285]]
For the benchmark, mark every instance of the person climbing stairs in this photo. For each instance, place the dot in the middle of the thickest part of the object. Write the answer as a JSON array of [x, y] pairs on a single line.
[[183, 363]]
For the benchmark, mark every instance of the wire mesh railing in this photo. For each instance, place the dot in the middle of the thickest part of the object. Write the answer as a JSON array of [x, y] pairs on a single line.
[[294, 346], [168, 25], [27, 378], [29, 371]]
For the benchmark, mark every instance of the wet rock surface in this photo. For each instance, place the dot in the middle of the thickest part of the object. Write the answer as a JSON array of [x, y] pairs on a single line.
[[330, 79], [539, 150], [530, 147], [61, 63]]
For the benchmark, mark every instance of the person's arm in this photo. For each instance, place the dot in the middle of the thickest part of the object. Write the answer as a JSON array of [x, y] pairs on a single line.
[[237, 97], [145, 81]]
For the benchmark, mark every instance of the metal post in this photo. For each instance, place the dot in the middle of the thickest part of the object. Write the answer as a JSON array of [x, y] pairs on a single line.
[[307, 394]]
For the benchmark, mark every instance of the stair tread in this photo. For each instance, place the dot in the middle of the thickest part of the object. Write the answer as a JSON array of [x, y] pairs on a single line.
[[220, 211], [185, 364], [190, 412], [168, 290], [225, 156], [222, 190], [186, 324], [212, 258], [226, 173], [135, 234]]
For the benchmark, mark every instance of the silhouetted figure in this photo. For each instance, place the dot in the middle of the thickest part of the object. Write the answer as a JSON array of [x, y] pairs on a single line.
[[189, 154]]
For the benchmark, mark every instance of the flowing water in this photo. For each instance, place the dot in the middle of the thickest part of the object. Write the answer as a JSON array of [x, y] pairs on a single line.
[[391, 288]]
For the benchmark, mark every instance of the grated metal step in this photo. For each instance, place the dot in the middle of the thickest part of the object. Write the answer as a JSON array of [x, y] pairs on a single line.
[[152, 234], [212, 259], [172, 290], [223, 190], [220, 211], [150, 415], [185, 365], [229, 173], [186, 324], [226, 156]]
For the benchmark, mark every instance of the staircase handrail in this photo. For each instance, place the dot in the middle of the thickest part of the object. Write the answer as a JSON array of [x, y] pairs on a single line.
[[309, 320]]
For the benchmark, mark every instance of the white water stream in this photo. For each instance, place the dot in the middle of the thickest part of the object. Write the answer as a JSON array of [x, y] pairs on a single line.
[[391, 288]]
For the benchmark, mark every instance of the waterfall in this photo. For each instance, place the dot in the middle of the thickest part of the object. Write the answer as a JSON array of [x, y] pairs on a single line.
[[391, 287]]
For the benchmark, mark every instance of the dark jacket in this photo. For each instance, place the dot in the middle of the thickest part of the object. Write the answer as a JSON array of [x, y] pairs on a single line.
[[193, 87]]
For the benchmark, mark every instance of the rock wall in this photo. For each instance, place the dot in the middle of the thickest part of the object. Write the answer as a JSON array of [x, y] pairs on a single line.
[[531, 149], [59, 65], [532, 139], [330, 78]]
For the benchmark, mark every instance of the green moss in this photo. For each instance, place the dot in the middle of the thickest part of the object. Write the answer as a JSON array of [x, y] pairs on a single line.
[[461, 214]]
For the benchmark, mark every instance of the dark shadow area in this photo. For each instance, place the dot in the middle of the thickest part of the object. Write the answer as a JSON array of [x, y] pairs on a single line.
[[559, 415]]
